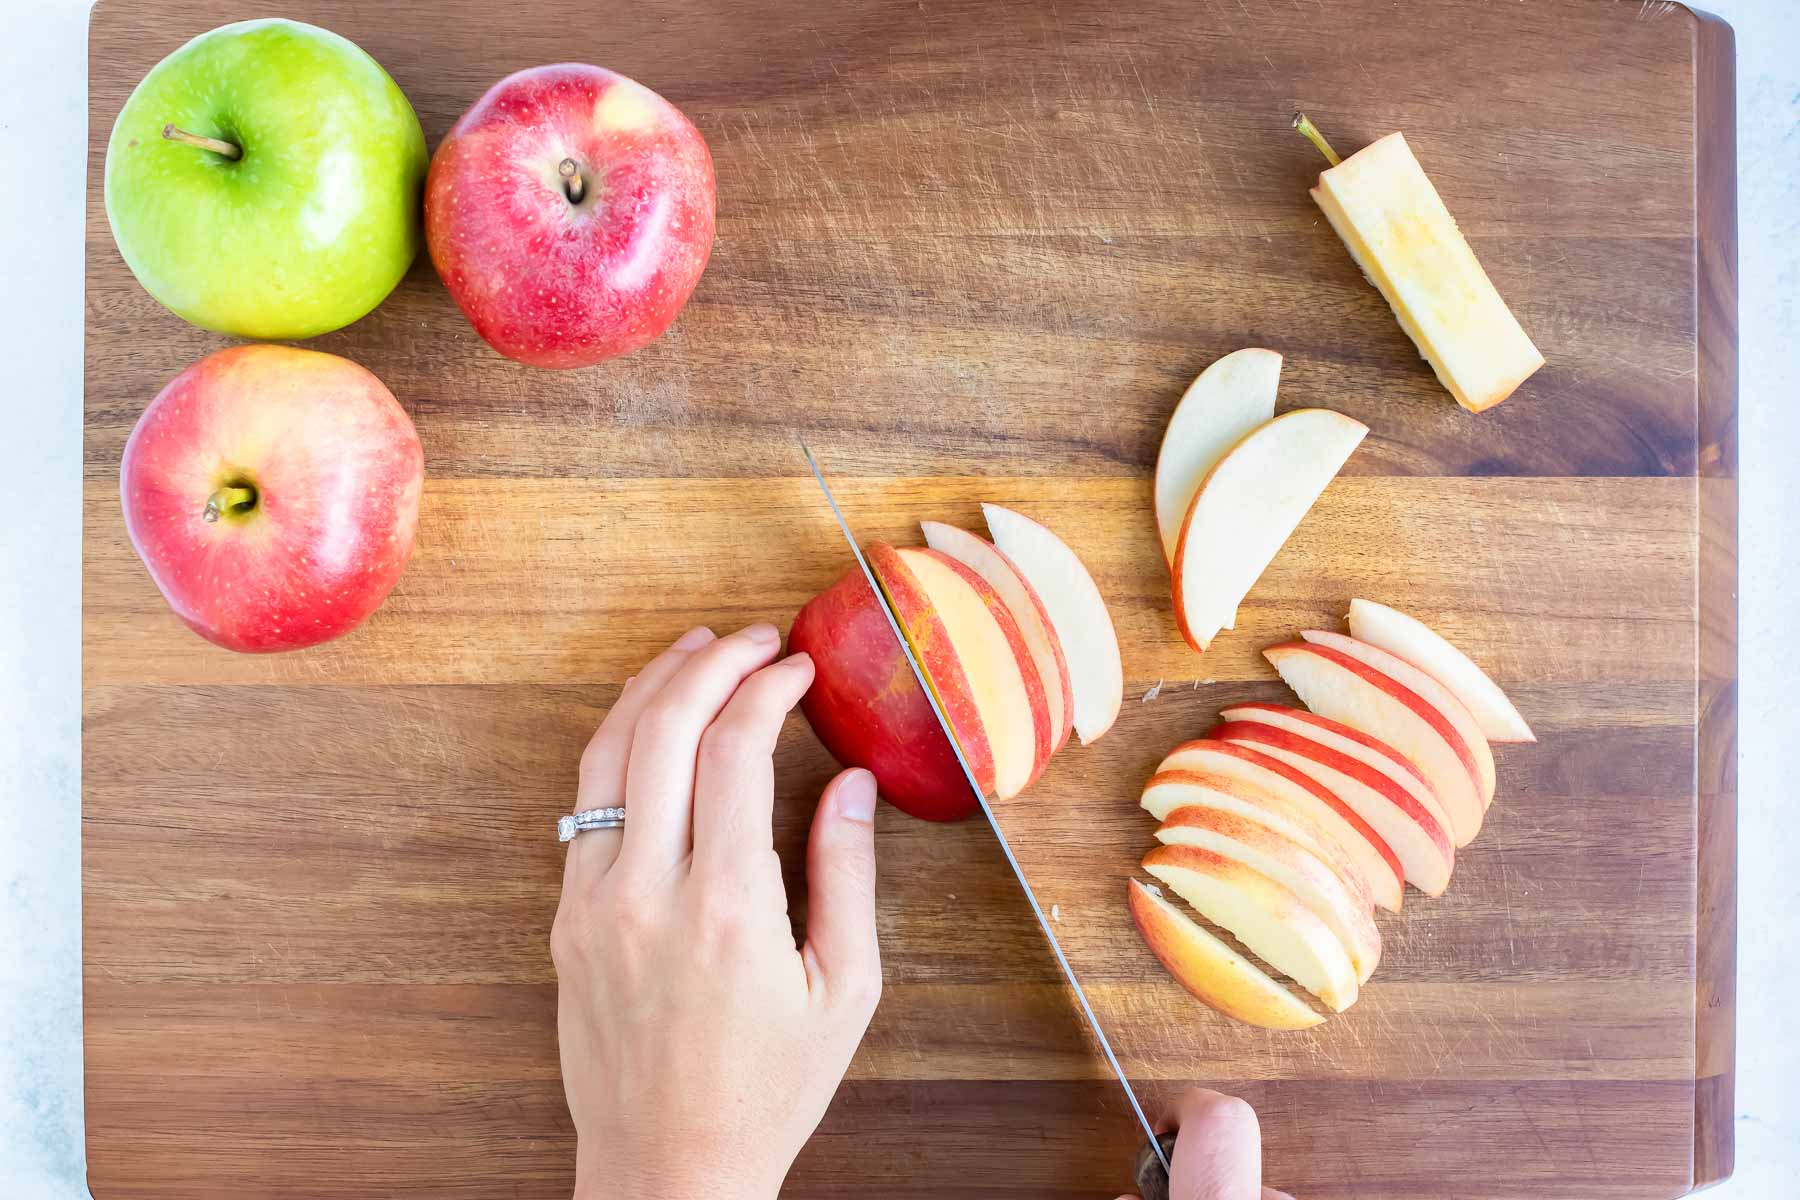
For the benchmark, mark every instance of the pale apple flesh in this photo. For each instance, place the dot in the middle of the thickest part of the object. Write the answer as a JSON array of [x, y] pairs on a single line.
[[1230, 398], [1337, 686], [1292, 866], [1412, 640], [1247, 507], [986, 560], [1422, 845], [1078, 614], [1212, 971], [569, 266], [868, 709], [273, 493], [1271, 922], [1374, 859]]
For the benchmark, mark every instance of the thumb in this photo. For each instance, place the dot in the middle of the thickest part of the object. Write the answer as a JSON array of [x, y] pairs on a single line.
[[843, 958]]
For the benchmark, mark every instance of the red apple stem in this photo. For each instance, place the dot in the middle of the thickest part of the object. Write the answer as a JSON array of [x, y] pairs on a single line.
[[574, 186], [223, 149], [232, 496], [1311, 133]]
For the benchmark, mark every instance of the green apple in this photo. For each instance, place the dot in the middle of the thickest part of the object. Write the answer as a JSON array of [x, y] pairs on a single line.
[[264, 180]]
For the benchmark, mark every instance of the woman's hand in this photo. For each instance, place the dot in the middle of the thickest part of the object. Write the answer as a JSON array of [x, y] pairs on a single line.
[[1218, 1150], [700, 1047]]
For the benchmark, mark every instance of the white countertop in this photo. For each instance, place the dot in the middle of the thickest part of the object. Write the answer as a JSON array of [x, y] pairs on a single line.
[[43, 66]]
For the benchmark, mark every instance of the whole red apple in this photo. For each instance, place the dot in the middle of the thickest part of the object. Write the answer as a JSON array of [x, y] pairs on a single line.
[[273, 492], [866, 706], [570, 213]]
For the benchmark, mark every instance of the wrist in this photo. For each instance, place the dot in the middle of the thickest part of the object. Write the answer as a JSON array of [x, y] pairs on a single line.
[[602, 1173]]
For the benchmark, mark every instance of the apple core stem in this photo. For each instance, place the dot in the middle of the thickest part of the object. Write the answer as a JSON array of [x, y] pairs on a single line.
[[574, 186], [222, 148], [226, 499], [1311, 133]]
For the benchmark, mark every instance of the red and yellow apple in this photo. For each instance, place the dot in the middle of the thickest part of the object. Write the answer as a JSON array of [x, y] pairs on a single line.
[[273, 493], [570, 214]]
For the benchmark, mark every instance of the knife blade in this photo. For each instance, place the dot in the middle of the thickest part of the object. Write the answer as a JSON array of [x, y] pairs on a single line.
[[1154, 1144]]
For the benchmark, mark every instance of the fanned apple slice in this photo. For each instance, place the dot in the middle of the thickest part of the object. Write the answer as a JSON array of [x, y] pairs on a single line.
[[946, 610], [1184, 797], [1217, 975], [1246, 508], [1425, 685], [1417, 643], [1418, 840], [985, 559], [1077, 613], [1345, 689], [1224, 403], [1271, 922], [1374, 859], [1293, 867]]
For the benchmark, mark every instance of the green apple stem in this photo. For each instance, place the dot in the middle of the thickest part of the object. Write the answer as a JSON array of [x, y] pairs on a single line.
[[1311, 133], [223, 149], [230, 498], [574, 186]]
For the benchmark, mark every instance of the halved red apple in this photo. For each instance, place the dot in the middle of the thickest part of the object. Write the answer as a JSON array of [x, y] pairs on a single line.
[[1335, 685], [1417, 643], [974, 657], [1417, 838], [1271, 922], [1368, 850], [1077, 612], [1216, 974], [1247, 506], [1225, 402], [1292, 866], [985, 559]]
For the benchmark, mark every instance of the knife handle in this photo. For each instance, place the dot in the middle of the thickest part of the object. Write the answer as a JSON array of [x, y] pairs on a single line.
[[1152, 1180]]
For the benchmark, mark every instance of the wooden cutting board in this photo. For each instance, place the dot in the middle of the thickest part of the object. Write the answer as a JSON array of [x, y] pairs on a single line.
[[974, 251]]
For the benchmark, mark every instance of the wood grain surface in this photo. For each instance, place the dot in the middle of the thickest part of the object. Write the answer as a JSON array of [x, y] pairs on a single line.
[[972, 251]]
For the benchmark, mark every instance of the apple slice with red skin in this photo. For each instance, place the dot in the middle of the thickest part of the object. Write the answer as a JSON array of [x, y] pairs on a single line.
[[1416, 642], [1293, 867], [1374, 859], [1212, 971], [1271, 922], [1418, 840], [1350, 691], [1184, 796], [1077, 613], [985, 559], [1335, 735], [949, 613], [868, 709], [1427, 686]]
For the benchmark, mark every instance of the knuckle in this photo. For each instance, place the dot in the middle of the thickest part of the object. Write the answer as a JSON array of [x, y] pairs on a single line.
[[728, 742], [665, 720], [565, 941]]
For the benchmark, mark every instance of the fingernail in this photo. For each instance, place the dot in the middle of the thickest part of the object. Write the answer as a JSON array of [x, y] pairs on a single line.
[[694, 638], [763, 632], [856, 797], [797, 658]]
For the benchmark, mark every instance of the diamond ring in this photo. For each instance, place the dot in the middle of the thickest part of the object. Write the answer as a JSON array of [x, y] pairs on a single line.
[[594, 818]]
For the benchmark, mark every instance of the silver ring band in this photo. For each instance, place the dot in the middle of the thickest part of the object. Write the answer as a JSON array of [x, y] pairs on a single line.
[[567, 827]]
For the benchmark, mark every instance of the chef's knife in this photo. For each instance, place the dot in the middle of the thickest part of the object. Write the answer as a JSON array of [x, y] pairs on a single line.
[[1154, 1145]]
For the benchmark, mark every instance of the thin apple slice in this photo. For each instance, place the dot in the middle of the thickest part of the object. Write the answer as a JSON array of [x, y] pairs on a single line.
[[1077, 613], [984, 558], [1418, 840], [1414, 641], [1185, 796], [1271, 922], [1345, 739], [973, 658], [1217, 975], [1248, 505], [1335, 685], [1224, 403], [1374, 859], [1292, 866], [1426, 686]]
